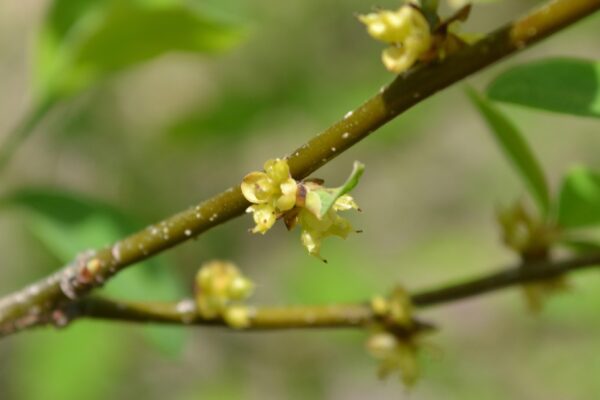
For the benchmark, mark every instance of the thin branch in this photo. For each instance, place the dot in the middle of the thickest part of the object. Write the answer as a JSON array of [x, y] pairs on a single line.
[[93, 268], [332, 316], [259, 318], [520, 274], [184, 312]]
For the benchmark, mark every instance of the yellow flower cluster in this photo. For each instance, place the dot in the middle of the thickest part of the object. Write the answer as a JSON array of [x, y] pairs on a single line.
[[531, 237], [275, 194], [398, 308], [394, 350], [394, 353], [406, 30], [220, 288]]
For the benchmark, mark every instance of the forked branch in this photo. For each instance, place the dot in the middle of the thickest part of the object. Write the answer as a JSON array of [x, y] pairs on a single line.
[[38, 301]]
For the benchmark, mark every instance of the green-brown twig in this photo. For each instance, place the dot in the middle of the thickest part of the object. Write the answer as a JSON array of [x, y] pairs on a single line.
[[91, 269], [356, 315]]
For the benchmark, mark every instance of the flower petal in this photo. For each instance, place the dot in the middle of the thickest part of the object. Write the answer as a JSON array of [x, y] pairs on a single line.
[[288, 200], [398, 59], [264, 217], [312, 241], [313, 203], [340, 227], [345, 203], [257, 187], [278, 170], [309, 221], [388, 26]]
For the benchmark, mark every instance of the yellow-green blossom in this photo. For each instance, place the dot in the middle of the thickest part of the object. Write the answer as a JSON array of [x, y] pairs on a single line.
[[395, 354], [218, 285], [406, 30], [276, 194], [264, 216], [531, 237], [345, 203], [273, 192], [237, 317], [395, 349], [315, 229]]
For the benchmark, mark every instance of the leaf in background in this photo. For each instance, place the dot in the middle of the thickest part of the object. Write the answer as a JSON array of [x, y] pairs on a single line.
[[68, 223], [247, 104], [579, 199], [564, 85], [515, 148], [82, 42], [84, 361]]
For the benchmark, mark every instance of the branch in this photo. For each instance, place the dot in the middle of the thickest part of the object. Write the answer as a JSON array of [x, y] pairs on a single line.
[[523, 273], [260, 318], [93, 268], [333, 316]]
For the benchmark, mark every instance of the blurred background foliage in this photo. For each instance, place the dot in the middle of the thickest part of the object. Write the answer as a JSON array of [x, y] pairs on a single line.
[[158, 104]]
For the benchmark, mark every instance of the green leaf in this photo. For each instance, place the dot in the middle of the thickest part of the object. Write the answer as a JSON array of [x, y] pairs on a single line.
[[68, 223], [515, 148], [564, 85], [579, 200], [249, 106], [82, 42], [327, 197]]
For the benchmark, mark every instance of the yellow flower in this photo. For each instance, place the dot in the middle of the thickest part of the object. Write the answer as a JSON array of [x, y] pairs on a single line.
[[395, 350], [345, 203], [456, 4], [237, 317], [395, 354], [388, 26], [218, 284], [315, 229], [264, 217], [273, 192], [276, 194], [406, 30]]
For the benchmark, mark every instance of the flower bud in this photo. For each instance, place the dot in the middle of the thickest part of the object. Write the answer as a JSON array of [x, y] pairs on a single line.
[[240, 288], [217, 285], [381, 345], [237, 317], [406, 30]]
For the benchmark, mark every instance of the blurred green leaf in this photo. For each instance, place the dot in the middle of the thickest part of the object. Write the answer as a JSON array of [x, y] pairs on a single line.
[[564, 85], [515, 148], [83, 361], [68, 223], [82, 42], [216, 122], [579, 199], [249, 106]]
